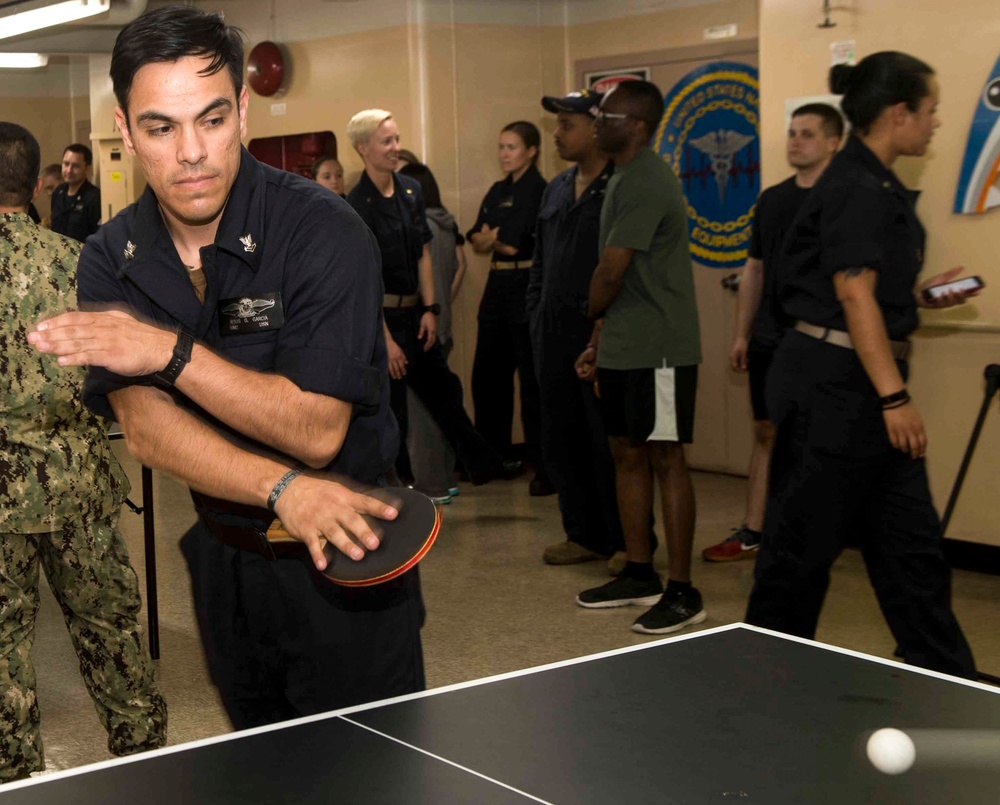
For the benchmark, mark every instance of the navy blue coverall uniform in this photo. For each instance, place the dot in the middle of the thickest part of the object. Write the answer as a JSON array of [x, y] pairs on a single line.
[[834, 473], [76, 216], [574, 445], [776, 210], [400, 227], [280, 640], [502, 342]]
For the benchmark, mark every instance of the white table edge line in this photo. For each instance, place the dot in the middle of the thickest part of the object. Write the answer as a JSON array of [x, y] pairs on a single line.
[[880, 660], [445, 760]]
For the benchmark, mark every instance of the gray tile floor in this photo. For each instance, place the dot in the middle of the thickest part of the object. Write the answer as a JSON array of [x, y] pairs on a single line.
[[493, 606]]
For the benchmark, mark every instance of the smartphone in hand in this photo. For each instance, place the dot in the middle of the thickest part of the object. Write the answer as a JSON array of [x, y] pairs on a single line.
[[963, 284]]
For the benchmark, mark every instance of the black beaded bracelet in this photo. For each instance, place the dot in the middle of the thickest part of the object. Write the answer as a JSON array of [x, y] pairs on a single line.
[[279, 487], [897, 400]]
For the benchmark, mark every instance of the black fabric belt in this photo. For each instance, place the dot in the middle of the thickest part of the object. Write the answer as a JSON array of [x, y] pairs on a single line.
[[401, 300], [900, 349], [250, 539]]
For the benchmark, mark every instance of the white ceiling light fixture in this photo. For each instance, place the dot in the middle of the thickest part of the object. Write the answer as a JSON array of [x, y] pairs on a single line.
[[45, 16], [22, 61]]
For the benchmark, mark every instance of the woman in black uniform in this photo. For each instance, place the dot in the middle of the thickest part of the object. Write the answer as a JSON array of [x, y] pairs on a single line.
[[849, 453], [392, 205], [505, 228]]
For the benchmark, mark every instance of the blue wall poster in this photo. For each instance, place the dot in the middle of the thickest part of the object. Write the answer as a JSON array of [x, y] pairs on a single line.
[[709, 136], [978, 188]]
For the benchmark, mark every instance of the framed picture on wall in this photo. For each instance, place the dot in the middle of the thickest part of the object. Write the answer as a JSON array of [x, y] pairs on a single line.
[[604, 80]]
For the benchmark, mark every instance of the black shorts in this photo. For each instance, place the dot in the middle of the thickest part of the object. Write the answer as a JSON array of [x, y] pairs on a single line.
[[759, 364], [649, 405]]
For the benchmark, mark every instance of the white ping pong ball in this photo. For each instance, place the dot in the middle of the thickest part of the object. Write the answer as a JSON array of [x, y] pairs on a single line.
[[891, 751]]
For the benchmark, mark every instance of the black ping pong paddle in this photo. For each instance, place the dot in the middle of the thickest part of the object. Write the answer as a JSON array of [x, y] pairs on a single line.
[[403, 542]]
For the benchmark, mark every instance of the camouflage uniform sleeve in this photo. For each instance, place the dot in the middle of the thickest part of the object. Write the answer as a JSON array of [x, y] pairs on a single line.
[[59, 467]]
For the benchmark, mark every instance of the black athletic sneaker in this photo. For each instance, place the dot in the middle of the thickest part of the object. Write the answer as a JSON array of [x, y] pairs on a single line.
[[621, 592], [675, 610]]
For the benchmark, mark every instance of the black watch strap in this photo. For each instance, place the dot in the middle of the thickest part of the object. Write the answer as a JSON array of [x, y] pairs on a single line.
[[181, 357], [435, 309]]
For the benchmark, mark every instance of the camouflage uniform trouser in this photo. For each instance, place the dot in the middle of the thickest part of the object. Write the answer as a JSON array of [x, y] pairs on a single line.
[[89, 572]]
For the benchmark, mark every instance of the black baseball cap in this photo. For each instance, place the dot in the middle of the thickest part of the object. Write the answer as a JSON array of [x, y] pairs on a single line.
[[585, 102]]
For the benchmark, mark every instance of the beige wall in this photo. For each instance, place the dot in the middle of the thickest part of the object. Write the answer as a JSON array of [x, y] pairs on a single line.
[[658, 30], [49, 119], [960, 40]]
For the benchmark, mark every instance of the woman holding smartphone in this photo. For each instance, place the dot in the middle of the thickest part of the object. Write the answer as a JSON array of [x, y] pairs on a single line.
[[849, 453]]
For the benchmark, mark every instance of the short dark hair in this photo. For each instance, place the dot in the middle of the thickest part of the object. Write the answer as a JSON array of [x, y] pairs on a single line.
[[877, 82], [420, 172], [168, 34], [644, 101], [529, 134], [80, 148], [832, 120], [20, 159], [319, 163]]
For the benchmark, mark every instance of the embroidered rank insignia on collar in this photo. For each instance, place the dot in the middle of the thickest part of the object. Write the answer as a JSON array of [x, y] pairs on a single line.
[[129, 250], [248, 244]]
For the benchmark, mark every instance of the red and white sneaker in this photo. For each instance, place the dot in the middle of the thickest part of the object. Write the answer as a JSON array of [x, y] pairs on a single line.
[[743, 544]]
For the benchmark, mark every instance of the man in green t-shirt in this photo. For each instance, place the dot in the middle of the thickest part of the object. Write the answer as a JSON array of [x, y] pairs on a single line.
[[646, 348]]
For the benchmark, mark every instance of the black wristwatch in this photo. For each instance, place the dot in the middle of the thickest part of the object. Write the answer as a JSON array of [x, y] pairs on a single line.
[[181, 357], [435, 309]]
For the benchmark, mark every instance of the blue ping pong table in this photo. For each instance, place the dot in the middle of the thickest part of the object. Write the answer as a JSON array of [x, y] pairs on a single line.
[[724, 715]]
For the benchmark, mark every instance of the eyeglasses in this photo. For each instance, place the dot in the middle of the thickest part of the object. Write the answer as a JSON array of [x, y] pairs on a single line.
[[602, 115]]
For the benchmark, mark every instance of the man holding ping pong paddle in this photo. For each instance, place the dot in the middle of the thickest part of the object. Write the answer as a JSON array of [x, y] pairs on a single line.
[[232, 320]]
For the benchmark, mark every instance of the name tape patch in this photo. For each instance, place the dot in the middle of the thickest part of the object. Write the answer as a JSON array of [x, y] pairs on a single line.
[[251, 314]]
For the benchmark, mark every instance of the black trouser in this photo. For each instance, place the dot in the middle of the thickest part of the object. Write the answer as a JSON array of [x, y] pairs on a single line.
[[574, 444], [282, 642], [503, 347], [440, 390], [835, 476]]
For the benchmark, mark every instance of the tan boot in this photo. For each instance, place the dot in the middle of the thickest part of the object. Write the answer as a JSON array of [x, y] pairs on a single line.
[[568, 553], [616, 564]]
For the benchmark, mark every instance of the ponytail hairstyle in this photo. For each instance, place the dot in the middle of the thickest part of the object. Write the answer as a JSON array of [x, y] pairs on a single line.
[[877, 82], [420, 172], [529, 134]]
